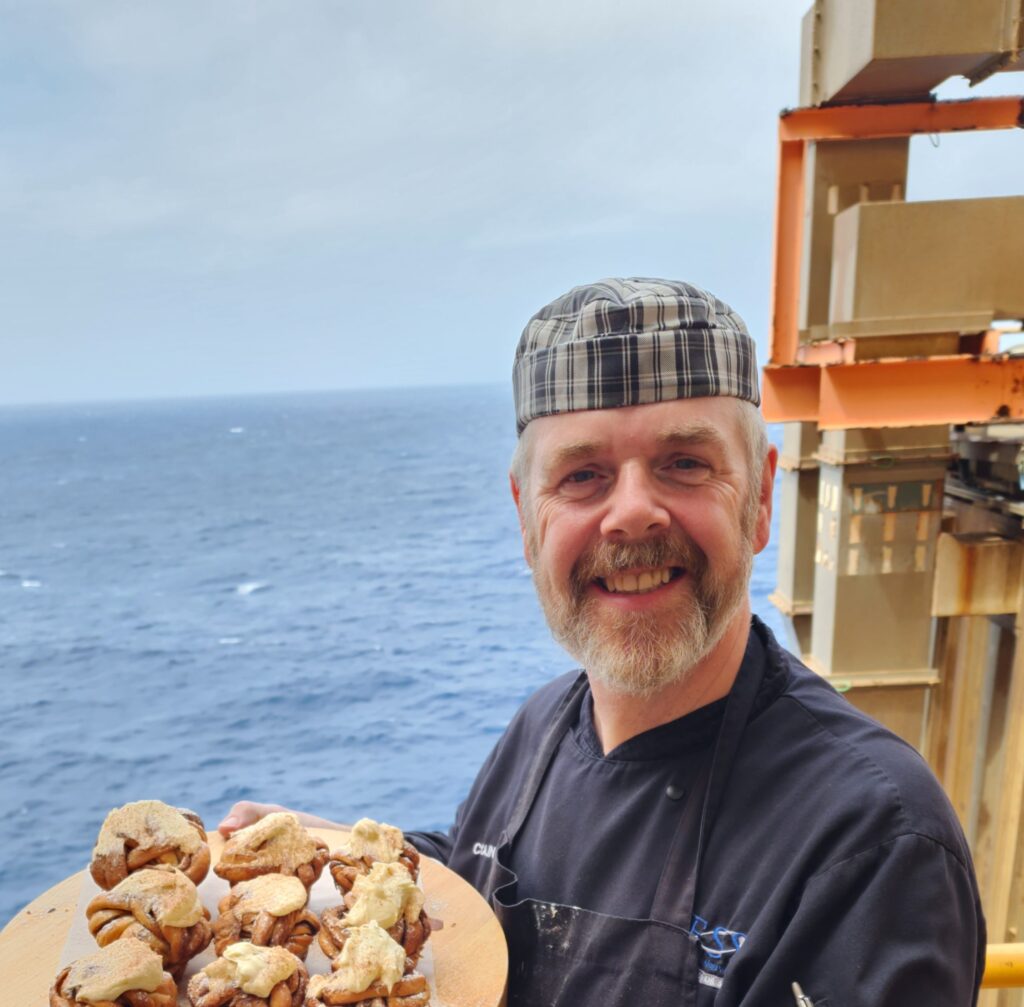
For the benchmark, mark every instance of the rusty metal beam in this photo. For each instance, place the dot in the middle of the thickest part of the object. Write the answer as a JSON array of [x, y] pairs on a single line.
[[897, 393]]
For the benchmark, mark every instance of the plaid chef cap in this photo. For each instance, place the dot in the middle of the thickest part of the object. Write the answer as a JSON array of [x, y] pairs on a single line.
[[628, 342]]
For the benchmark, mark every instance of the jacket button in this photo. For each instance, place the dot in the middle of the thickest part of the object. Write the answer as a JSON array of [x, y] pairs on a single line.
[[674, 792]]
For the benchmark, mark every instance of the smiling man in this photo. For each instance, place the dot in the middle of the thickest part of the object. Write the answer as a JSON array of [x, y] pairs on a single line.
[[640, 526], [694, 818]]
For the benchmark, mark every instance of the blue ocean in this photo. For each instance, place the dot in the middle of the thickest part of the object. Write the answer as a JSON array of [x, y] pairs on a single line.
[[318, 600]]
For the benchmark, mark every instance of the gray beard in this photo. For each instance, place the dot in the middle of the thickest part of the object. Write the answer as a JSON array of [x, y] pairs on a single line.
[[639, 654]]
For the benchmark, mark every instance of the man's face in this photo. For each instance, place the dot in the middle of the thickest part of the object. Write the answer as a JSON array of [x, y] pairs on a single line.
[[640, 525]]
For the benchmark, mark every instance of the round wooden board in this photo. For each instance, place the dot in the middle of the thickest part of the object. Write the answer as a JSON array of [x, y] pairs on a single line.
[[469, 950]]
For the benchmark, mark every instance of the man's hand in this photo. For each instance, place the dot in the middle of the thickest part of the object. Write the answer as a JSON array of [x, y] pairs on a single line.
[[245, 813]]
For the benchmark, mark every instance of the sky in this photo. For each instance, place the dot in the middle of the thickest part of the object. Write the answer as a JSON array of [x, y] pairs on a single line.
[[237, 197]]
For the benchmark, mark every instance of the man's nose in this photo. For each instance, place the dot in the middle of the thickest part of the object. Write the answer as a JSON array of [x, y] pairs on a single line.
[[634, 507]]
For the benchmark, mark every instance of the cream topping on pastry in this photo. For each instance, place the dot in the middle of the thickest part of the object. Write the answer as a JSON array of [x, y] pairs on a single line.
[[384, 895], [124, 965], [169, 897], [278, 840], [369, 956], [277, 894], [254, 970], [375, 839], [153, 821]]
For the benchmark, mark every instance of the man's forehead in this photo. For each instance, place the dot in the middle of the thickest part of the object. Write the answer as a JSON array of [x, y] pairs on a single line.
[[573, 436]]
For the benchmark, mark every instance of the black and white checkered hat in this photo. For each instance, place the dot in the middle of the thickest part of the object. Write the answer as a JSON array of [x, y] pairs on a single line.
[[630, 342]]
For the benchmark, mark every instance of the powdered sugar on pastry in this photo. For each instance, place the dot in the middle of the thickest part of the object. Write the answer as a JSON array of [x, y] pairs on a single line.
[[147, 823], [278, 840], [103, 976]]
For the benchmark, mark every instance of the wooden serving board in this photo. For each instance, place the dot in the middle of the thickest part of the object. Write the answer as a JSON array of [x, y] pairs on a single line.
[[469, 954]]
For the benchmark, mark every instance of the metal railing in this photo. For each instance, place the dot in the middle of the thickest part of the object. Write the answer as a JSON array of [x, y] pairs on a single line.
[[1004, 966]]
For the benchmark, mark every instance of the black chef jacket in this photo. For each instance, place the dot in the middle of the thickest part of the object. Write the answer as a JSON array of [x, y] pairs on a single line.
[[834, 859]]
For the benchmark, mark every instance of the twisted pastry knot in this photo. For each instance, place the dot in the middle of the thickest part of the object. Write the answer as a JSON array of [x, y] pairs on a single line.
[[410, 991], [411, 936], [294, 931], [307, 873], [277, 844], [206, 992], [165, 995], [152, 916], [345, 868], [137, 836]]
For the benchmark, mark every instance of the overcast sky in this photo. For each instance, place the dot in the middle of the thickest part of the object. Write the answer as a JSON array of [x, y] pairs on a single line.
[[242, 196]]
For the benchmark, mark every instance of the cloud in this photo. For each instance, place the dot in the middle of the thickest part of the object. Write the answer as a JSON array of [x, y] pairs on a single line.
[[248, 120], [195, 171]]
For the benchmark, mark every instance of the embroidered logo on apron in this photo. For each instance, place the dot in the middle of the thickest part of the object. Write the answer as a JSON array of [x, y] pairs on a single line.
[[717, 946]]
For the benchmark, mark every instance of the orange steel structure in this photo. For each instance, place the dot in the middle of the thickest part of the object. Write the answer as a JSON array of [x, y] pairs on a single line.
[[816, 386]]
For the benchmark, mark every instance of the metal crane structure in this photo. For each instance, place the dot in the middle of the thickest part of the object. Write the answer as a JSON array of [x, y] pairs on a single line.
[[901, 564]]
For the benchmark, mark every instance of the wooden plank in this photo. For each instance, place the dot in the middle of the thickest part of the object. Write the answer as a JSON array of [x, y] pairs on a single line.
[[469, 951]]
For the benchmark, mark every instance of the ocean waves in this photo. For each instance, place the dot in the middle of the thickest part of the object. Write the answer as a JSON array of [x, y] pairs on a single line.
[[328, 610]]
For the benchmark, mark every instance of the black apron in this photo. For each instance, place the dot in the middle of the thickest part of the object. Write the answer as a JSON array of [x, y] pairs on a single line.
[[564, 956]]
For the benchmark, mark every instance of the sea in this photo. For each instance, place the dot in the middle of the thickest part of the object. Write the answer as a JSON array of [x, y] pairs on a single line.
[[318, 600]]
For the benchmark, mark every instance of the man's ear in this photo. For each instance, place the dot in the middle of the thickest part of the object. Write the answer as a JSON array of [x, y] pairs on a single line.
[[763, 526], [517, 496]]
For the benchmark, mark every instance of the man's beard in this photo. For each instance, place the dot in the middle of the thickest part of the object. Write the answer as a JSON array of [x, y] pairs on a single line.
[[639, 653]]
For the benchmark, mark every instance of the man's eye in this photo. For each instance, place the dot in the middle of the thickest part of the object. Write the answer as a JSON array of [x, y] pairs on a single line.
[[583, 476], [690, 468]]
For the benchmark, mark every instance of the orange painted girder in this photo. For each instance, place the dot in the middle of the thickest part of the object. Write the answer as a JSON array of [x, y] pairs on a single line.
[[789, 219], [897, 393], [790, 394], [848, 122], [862, 122]]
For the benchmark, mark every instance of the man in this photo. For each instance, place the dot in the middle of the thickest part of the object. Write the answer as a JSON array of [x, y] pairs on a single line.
[[696, 818]]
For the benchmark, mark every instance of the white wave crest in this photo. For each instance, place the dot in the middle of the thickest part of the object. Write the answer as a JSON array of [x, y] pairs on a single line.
[[251, 587]]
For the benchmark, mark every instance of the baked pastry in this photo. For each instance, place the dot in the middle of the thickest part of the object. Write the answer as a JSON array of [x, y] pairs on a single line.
[[124, 974], [387, 896], [276, 844], [368, 842], [269, 911], [370, 972], [161, 908], [149, 834], [250, 976]]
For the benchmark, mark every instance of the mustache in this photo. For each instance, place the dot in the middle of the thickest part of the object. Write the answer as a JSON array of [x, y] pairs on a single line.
[[614, 557]]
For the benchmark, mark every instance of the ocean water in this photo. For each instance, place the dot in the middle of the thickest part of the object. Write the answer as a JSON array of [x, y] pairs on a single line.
[[317, 600]]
